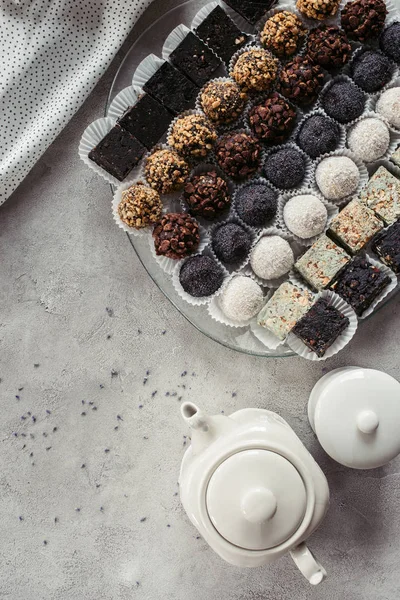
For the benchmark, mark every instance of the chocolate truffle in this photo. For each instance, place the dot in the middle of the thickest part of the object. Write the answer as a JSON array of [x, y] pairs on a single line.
[[207, 195], [256, 204], [201, 276], [238, 154], [176, 235], [318, 9], [328, 47], [166, 171], [231, 243], [221, 34], [390, 41], [343, 101], [285, 168], [388, 106], [222, 101], [371, 70], [337, 177], [283, 33], [273, 119], [300, 80], [255, 70], [305, 216], [195, 59], [272, 257], [251, 10], [140, 206], [241, 299], [369, 139], [318, 135], [192, 135], [364, 19]]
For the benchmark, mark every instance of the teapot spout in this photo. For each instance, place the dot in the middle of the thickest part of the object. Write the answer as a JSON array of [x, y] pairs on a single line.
[[205, 428], [194, 417]]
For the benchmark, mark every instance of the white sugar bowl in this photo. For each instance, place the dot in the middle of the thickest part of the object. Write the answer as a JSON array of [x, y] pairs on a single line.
[[355, 414], [252, 489]]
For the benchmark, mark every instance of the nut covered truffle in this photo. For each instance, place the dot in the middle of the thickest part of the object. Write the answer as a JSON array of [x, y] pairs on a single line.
[[207, 195], [192, 135], [140, 206], [273, 119], [201, 276], [318, 9], [222, 101], [283, 33], [238, 154], [328, 47], [300, 80], [176, 235], [364, 19], [255, 70], [166, 171]]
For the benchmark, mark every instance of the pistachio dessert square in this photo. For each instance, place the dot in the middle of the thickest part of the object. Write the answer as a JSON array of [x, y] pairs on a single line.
[[322, 263], [382, 195], [354, 226], [387, 246], [288, 304]]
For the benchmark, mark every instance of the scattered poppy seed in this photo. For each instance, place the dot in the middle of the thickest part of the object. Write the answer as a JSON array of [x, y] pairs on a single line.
[[98, 485], [197, 537], [179, 398], [78, 509], [15, 434], [147, 372], [234, 394], [83, 402], [110, 311], [101, 386], [107, 450], [23, 447], [91, 403], [222, 411], [83, 414], [153, 393], [83, 466], [115, 428], [17, 397], [36, 365], [55, 519], [145, 437], [174, 394], [119, 418], [45, 542], [23, 434], [138, 583], [139, 331], [183, 374], [55, 429], [44, 434], [140, 405], [34, 419], [108, 336], [145, 381], [33, 464], [101, 509], [19, 389], [48, 411], [23, 418], [94, 408], [29, 413], [31, 454], [168, 525], [193, 374], [21, 518], [114, 373], [164, 332], [176, 493], [142, 520], [167, 393], [48, 447], [31, 436]]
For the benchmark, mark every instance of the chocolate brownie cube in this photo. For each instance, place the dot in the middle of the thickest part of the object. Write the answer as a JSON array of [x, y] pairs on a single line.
[[172, 88], [221, 34], [117, 153], [387, 246], [195, 59], [251, 10], [147, 120]]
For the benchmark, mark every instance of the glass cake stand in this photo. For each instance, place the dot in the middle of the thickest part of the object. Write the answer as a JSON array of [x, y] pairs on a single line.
[[149, 41]]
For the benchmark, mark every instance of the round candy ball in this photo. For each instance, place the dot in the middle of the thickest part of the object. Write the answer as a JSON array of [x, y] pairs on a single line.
[[328, 46], [318, 135], [140, 206], [369, 139], [207, 195], [272, 257], [337, 177], [230, 242], [318, 9], [343, 101], [176, 235], [201, 276], [241, 299], [256, 204], [388, 106], [273, 119], [166, 171], [222, 101], [390, 41], [300, 80], [371, 70], [285, 168], [364, 19], [305, 216], [255, 70], [238, 154], [192, 135], [283, 33]]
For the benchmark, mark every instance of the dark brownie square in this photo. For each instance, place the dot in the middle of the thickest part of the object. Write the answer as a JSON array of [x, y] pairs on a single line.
[[147, 120], [251, 10], [220, 33], [320, 326], [195, 59], [387, 246], [172, 88], [117, 153], [360, 283]]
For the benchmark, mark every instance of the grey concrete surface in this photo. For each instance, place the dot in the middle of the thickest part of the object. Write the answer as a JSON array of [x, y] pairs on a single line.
[[90, 455]]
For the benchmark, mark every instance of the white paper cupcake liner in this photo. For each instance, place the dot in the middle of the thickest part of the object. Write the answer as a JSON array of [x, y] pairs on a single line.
[[203, 13], [146, 69], [265, 336], [270, 13], [309, 171], [327, 86], [169, 264], [258, 100], [347, 69], [192, 160], [332, 211], [232, 268], [187, 297], [256, 181], [145, 231], [246, 48], [221, 127], [362, 169], [122, 101], [321, 112], [344, 338], [372, 104], [394, 138]]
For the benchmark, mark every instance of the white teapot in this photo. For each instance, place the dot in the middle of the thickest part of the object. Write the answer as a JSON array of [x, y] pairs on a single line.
[[252, 489]]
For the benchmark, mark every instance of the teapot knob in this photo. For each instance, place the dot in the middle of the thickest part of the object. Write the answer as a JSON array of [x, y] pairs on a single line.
[[259, 505], [367, 421]]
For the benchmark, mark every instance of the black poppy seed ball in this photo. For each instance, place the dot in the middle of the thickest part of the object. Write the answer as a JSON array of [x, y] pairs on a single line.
[[230, 242], [201, 276], [343, 101], [390, 41], [285, 168], [371, 70], [318, 135], [256, 204]]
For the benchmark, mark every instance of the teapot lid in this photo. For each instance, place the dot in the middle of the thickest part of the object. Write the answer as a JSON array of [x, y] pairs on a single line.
[[256, 499], [355, 414]]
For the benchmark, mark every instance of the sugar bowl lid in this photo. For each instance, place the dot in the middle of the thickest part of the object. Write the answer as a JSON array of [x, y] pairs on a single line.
[[256, 499], [355, 414]]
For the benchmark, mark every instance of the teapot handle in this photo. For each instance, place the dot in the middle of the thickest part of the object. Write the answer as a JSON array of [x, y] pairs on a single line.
[[308, 564]]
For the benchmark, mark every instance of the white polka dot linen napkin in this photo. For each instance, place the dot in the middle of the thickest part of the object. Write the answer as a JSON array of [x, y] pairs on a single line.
[[52, 53]]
